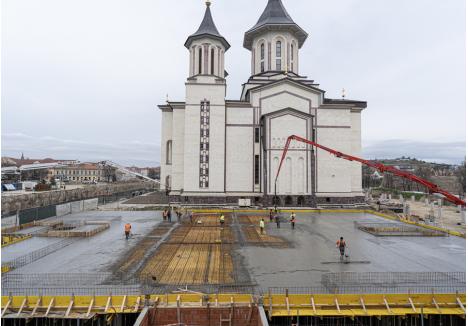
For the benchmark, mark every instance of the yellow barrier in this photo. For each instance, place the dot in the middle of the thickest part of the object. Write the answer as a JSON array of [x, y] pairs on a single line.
[[349, 305], [10, 239]]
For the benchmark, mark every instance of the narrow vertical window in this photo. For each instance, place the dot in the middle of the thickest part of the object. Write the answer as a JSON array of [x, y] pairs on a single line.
[[212, 61], [257, 135], [262, 57], [199, 61], [257, 169], [292, 57], [278, 55]]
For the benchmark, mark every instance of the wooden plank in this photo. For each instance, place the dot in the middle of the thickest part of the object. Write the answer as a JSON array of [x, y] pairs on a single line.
[[312, 303], [137, 304], [51, 303], [337, 305], [108, 303], [6, 307], [461, 304], [70, 305], [363, 305], [436, 304], [124, 301], [25, 300], [386, 305], [91, 304], [412, 304], [38, 303]]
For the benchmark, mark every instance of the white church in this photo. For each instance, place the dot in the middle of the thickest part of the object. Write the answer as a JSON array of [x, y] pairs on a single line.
[[215, 150]]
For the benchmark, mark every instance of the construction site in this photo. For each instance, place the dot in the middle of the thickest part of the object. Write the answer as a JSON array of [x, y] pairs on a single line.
[[80, 269]]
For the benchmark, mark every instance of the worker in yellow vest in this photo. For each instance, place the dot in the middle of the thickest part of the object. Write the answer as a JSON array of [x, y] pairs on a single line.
[[221, 219]]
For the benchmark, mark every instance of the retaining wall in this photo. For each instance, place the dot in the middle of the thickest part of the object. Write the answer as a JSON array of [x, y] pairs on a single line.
[[12, 204]]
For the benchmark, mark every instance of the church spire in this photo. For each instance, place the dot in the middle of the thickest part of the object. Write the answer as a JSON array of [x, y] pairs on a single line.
[[274, 17], [207, 29]]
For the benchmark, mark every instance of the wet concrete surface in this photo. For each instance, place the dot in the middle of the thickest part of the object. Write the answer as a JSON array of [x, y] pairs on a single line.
[[96, 253], [314, 251]]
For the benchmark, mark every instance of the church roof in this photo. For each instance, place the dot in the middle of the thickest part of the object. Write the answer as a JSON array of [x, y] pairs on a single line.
[[274, 16], [207, 29]]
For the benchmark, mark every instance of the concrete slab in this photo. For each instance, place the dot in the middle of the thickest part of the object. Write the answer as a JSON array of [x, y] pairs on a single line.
[[97, 253], [314, 240], [26, 246]]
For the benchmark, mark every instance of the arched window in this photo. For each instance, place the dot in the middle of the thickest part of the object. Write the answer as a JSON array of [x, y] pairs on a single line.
[[292, 57], [212, 61], [169, 152], [278, 55], [262, 57], [199, 61]]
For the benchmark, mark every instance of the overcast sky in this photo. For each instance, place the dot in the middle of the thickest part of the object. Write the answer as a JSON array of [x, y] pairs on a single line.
[[82, 79]]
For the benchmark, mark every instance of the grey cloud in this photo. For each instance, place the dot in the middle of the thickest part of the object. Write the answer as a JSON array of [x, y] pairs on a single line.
[[125, 152], [439, 152]]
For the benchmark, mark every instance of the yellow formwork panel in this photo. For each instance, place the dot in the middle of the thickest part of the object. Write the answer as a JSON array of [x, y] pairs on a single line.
[[278, 305], [12, 239]]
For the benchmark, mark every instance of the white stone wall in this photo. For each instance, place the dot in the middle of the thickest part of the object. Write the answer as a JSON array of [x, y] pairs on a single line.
[[239, 158], [204, 87], [178, 133], [339, 130], [166, 134]]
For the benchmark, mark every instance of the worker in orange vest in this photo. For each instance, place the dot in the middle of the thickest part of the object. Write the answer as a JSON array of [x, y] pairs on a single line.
[[341, 245], [128, 228]]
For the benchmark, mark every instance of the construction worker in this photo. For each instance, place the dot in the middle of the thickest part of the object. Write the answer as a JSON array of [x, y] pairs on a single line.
[[221, 219], [277, 220], [179, 215], [128, 228], [341, 245], [169, 214], [293, 220], [262, 225]]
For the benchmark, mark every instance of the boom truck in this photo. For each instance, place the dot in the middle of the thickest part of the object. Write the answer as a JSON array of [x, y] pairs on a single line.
[[432, 188]]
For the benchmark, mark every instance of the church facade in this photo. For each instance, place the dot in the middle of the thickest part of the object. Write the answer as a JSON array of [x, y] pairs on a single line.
[[215, 150]]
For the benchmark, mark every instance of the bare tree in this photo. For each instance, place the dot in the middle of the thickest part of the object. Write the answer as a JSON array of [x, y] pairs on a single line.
[[460, 172]]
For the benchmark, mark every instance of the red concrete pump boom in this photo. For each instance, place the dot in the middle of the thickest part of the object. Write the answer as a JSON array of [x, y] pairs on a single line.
[[433, 188]]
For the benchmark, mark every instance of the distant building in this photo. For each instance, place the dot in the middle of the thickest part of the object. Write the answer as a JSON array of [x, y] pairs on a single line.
[[90, 172]]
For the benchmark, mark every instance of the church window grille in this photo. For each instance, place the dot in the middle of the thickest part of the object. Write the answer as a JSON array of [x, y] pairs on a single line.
[[204, 143], [257, 169], [212, 61], [199, 61], [278, 55]]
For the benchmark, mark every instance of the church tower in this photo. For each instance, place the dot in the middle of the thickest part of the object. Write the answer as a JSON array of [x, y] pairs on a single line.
[[205, 114], [275, 41]]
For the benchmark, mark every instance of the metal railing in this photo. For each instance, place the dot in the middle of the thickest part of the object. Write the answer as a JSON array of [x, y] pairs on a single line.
[[332, 283], [37, 254]]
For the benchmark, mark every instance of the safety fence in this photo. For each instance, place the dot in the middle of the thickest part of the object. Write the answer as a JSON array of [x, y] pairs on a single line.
[[332, 283], [35, 255]]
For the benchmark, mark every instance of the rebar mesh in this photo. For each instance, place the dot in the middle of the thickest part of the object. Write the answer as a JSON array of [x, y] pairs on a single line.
[[37, 254], [398, 229]]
